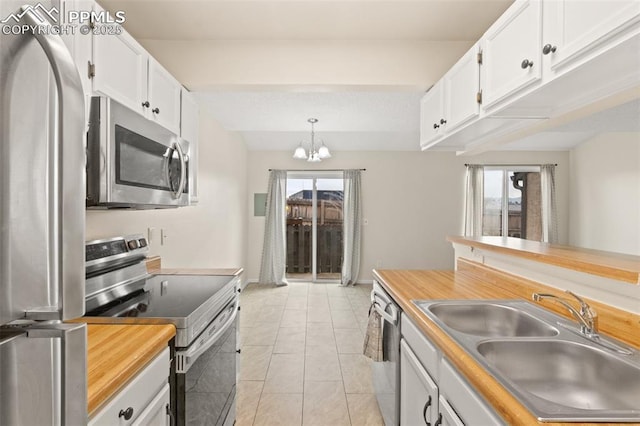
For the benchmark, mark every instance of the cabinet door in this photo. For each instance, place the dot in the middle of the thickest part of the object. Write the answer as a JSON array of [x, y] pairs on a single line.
[[512, 52], [157, 412], [164, 97], [431, 113], [448, 416], [461, 87], [418, 392], [574, 28], [120, 68], [189, 130]]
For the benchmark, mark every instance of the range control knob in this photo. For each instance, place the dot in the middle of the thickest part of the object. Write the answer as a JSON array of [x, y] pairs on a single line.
[[142, 242], [132, 244]]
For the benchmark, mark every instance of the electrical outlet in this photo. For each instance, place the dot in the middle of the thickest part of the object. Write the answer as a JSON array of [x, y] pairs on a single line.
[[163, 236], [150, 235]]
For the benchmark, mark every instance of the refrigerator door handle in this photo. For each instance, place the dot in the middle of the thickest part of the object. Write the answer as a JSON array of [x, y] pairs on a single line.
[[73, 338], [66, 178]]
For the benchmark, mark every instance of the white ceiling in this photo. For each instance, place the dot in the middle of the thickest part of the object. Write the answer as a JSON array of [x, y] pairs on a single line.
[[349, 119], [433, 20]]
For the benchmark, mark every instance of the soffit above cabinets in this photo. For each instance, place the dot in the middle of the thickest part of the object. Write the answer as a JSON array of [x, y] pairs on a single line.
[[435, 20]]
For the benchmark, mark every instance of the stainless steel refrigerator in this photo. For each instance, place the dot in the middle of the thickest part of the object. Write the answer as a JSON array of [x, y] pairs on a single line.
[[42, 359]]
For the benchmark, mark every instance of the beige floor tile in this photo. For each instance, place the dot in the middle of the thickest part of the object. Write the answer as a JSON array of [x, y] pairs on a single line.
[[321, 364], [356, 373], [324, 404], [335, 290], [298, 289], [269, 315], [294, 318], [261, 335], [320, 334], [247, 404], [254, 362], [275, 299], [285, 375], [344, 319], [279, 410], [339, 303], [319, 314], [349, 340], [317, 288], [363, 410], [296, 302], [318, 300], [291, 340]]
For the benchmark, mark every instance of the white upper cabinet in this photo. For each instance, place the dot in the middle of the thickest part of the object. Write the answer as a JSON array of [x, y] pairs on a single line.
[[120, 68], [452, 101], [576, 29], [431, 112], [189, 131], [462, 87], [189, 121], [164, 97], [511, 52]]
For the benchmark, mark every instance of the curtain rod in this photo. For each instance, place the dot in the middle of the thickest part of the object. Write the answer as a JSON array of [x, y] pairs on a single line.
[[506, 165], [317, 170]]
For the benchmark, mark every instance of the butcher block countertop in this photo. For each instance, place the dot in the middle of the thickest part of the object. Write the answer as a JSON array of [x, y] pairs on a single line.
[[116, 353], [475, 281], [154, 266], [616, 266]]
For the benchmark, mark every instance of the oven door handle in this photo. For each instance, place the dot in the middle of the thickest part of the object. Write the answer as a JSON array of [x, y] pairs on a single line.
[[194, 353], [392, 317]]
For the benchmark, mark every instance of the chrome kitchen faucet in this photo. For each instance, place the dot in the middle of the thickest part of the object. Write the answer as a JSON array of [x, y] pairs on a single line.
[[586, 316]]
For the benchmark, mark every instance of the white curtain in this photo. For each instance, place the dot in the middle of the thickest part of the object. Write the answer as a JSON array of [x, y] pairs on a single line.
[[473, 202], [274, 250], [352, 213], [549, 211]]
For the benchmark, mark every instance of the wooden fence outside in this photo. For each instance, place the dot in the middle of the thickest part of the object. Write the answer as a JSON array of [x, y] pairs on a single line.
[[299, 247]]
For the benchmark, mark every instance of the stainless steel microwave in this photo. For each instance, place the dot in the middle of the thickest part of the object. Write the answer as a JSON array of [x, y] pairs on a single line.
[[133, 162]]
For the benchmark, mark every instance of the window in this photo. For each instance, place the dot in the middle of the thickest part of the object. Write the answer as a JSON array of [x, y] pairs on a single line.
[[512, 204]]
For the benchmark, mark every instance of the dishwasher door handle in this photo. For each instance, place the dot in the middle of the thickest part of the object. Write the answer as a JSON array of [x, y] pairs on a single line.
[[390, 318]]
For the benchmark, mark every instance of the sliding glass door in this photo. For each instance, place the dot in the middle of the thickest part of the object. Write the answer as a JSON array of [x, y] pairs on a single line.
[[314, 225]]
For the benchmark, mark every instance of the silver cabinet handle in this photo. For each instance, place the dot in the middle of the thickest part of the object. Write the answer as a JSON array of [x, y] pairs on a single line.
[[526, 64], [67, 174]]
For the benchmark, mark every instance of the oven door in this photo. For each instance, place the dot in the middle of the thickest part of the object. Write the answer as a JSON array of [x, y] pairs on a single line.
[[132, 161], [206, 373]]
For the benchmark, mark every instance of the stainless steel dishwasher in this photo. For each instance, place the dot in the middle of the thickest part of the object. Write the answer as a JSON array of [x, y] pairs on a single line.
[[386, 375]]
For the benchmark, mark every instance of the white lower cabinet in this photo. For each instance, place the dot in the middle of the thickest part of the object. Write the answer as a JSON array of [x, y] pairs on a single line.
[[432, 392], [418, 391], [143, 401]]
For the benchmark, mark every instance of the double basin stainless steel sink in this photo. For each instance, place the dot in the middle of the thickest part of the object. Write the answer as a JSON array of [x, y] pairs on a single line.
[[543, 360]]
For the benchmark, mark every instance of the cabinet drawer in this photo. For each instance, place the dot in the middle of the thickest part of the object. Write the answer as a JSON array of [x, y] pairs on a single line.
[[469, 406], [424, 350], [157, 412], [138, 393]]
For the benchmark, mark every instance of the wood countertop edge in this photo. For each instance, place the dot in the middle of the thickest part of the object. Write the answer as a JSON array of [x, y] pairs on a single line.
[[501, 399], [109, 369], [607, 265]]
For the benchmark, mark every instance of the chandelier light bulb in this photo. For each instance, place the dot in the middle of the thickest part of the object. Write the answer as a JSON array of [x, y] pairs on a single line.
[[315, 156]]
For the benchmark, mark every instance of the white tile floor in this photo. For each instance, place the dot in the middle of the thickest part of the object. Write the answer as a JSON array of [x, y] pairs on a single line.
[[301, 360]]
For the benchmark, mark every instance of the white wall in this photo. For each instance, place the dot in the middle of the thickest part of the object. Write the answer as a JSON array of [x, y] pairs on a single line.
[[605, 193], [412, 201], [211, 234]]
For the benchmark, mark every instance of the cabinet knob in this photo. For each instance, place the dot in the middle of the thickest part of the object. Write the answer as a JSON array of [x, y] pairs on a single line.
[[146, 104], [436, 125], [156, 110], [548, 49], [443, 121], [526, 64], [127, 414]]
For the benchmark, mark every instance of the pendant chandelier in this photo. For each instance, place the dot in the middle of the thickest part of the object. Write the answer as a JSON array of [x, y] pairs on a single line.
[[315, 156]]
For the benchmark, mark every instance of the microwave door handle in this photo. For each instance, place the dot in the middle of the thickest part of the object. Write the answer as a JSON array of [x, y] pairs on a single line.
[[66, 204], [183, 173]]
